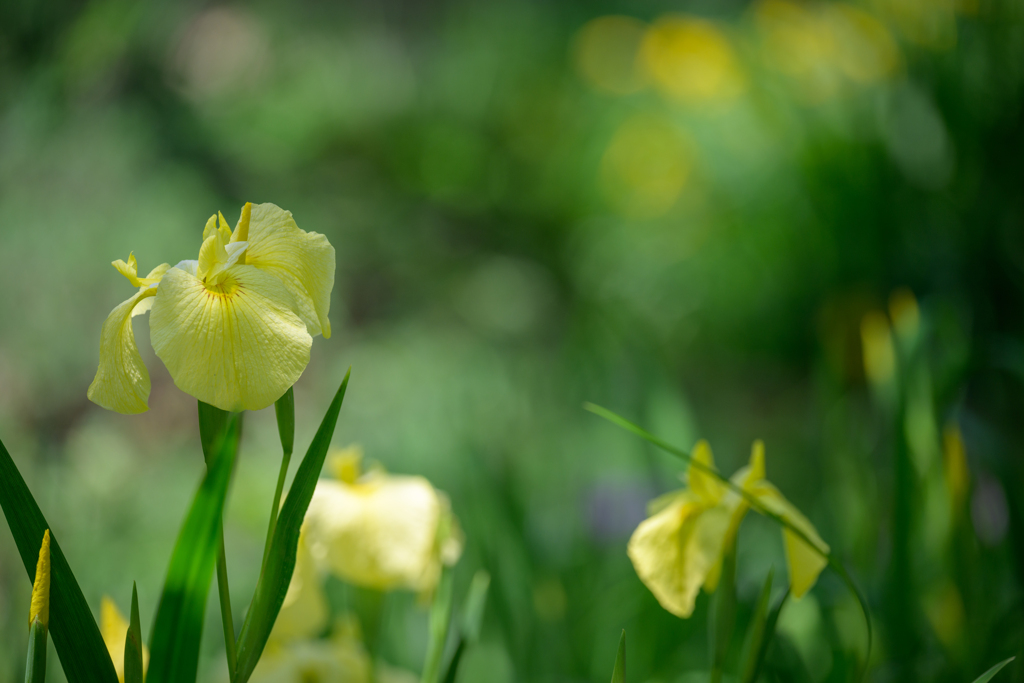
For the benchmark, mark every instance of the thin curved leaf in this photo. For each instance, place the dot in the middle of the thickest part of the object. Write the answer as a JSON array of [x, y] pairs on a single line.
[[277, 572], [987, 676], [178, 626], [619, 672], [76, 636]]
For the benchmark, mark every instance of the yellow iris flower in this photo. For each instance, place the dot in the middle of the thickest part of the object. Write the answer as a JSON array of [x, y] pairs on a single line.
[[233, 327], [379, 530], [680, 547], [114, 629]]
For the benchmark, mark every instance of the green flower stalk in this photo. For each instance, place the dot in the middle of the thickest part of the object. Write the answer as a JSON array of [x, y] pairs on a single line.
[[39, 616]]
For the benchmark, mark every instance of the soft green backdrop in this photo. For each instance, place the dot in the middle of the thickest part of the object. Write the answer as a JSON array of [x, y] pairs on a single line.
[[682, 214]]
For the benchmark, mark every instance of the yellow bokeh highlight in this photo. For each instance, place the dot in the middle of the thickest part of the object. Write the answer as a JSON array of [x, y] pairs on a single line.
[[928, 23], [954, 465], [605, 54], [692, 61], [905, 314], [645, 167], [825, 48], [879, 352]]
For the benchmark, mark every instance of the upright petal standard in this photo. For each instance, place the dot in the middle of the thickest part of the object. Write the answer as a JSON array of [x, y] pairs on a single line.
[[234, 327]]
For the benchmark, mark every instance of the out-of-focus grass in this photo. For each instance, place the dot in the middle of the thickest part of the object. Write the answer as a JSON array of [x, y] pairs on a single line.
[[684, 214]]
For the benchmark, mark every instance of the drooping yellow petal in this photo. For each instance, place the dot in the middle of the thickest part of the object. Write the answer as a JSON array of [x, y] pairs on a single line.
[[39, 608], [304, 261], [238, 346], [804, 561], [381, 532], [673, 551], [304, 611], [122, 381], [707, 488]]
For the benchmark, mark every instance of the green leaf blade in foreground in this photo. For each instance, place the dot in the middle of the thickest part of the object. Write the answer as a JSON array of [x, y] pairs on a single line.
[[133, 672], [76, 636], [987, 676], [178, 626], [277, 572], [619, 672]]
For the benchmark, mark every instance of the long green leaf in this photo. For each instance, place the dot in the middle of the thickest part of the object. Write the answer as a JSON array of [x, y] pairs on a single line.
[[211, 423], [277, 572], [987, 676], [619, 672], [133, 672], [76, 637], [470, 621], [178, 626]]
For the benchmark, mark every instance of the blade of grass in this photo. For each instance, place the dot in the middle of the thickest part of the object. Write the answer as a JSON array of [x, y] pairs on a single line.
[[440, 618], [211, 424], [178, 626], [277, 573], [619, 672], [76, 637], [470, 622], [284, 409], [753, 654], [833, 562], [987, 676], [133, 643], [723, 613]]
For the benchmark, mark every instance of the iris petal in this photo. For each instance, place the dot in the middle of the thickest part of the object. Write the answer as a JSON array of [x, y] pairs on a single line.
[[303, 261], [673, 551], [805, 562], [378, 533], [122, 381], [238, 347]]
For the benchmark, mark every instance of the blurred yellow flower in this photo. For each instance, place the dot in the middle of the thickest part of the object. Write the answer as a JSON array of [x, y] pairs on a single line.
[[233, 327], [879, 350], [645, 167], [114, 629], [825, 46], [305, 611], [379, 530], [341, 659], [605, 53], [680, 547], [691, 60]]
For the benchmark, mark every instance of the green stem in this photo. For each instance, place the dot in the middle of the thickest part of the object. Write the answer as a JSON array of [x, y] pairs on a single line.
[[754, 504], [225, 607], [35, 666], [281, 476]]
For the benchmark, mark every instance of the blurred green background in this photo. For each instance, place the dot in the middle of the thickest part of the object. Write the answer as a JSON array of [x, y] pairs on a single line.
[[679, 210]]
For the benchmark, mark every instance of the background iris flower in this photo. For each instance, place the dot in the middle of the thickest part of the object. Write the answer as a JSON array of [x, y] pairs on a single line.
[[680, 547]]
